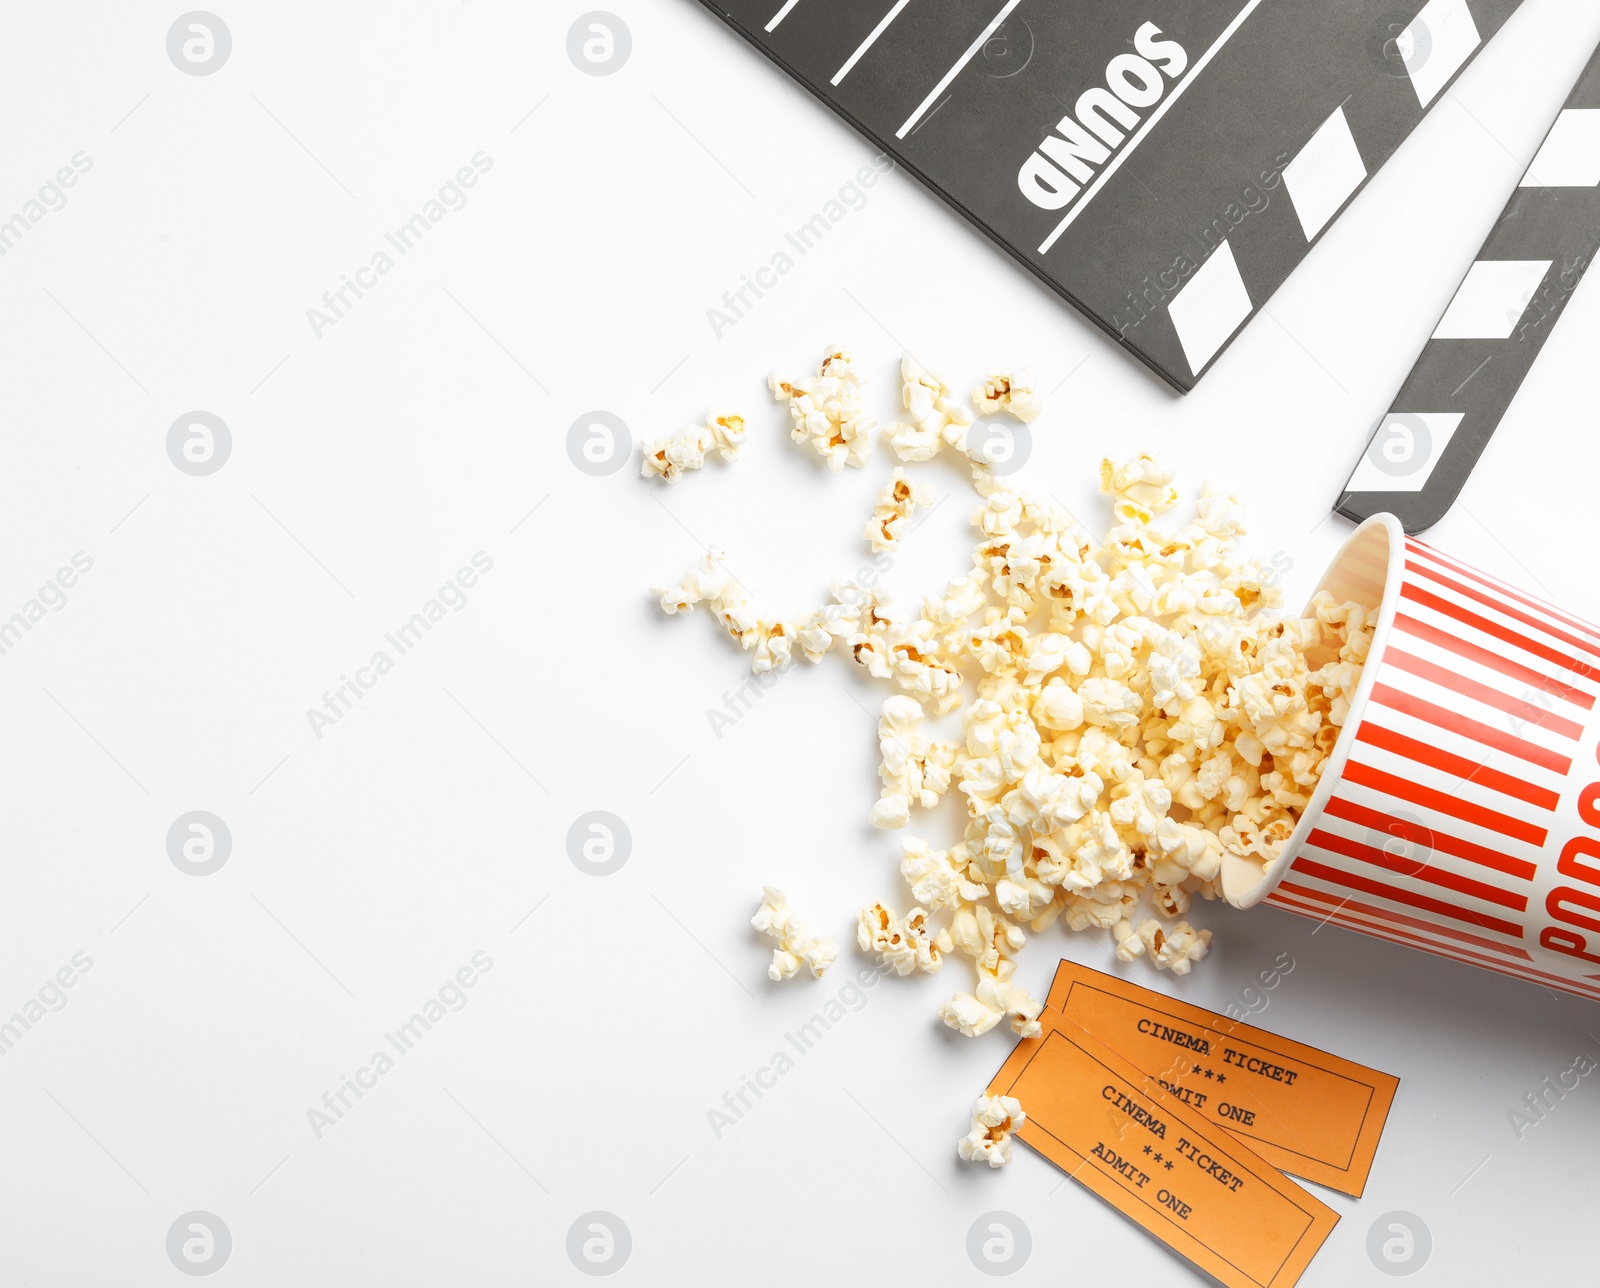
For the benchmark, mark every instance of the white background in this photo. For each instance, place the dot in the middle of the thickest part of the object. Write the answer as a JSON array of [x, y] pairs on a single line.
[[430, 423]]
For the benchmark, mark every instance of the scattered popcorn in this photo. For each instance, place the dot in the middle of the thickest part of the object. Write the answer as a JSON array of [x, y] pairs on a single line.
[[994, 1118], [795, 947], [668, 458], [1132, 710], [728, 432], [772, 641], [903, 946], [934, 878], [1009, 391], [1176, 948], [914, 770], [996, 997], [937, 420], [891, 516], [826, 412], [1139, 489]]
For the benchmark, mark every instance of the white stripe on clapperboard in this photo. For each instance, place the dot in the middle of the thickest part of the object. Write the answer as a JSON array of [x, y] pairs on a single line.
[[1150, 123], [972, 50], [869, 41], [782, 13]]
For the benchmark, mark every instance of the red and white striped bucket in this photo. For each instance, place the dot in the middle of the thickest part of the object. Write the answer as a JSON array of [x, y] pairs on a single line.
[[1460, 810]]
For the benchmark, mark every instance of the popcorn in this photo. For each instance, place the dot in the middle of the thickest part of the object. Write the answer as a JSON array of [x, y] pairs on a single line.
[[911, 442], [1010, 391], [914, 770], [891, 516], [994, 1118], [1110, 703], [1132, 710], [966, 1014], [705, 581], [903, 946], [668, 458], [728, 432], [795, 947], [1175, 949], [710, 582], [975, 1013], [826, 412], [935, 878], [937, 420], [1139, 489]]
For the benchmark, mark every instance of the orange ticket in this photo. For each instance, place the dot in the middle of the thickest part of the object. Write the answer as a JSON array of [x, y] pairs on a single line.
[[1156, 1160], [1310, 1113]]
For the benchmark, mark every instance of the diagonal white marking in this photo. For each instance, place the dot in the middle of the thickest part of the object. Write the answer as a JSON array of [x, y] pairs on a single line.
[[972, 51], [782, 13], [869, 41], [1138, 137]]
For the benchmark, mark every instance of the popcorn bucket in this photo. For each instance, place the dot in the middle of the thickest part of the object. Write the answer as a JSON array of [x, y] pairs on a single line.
[[1460, 810]]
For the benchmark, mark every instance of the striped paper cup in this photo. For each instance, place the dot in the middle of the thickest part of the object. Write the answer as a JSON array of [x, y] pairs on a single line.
[[1460, 810]]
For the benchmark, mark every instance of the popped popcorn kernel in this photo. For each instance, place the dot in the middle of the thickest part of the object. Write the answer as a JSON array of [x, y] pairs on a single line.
[[936, 878], [795, 947], [994, 1119], [903, 945], [915, 770], [974, 1014], [1139, 489], [686, 449], [727, 432], [936, 419], [669, 458], [710, 582], [891, 515], [825, 411], [1008, 390]]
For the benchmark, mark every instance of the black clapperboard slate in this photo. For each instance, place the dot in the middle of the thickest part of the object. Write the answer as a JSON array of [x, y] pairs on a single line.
[[1270, 116], [1487, 342]]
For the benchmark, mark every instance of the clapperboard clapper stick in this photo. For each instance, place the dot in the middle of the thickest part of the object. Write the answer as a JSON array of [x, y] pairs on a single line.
[[1488, 340], [1162, 166]]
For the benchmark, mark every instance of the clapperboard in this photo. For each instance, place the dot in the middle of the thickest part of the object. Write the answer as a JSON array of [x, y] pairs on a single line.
[[1490, 336], [1162, 165]]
